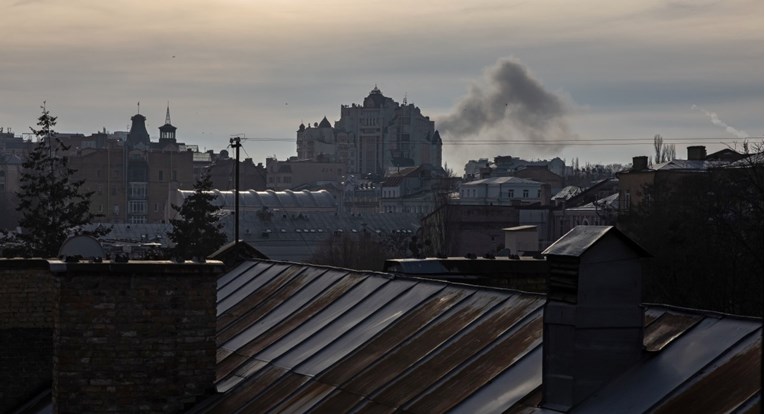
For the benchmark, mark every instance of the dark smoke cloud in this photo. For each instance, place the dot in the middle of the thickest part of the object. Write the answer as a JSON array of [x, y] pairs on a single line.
[[509, 99]]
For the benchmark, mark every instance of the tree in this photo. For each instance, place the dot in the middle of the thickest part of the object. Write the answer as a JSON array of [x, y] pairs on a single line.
[[198, 231], [658, 146], [50, 201]]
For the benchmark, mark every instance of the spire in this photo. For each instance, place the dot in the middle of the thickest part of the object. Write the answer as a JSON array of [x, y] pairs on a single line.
[[167, 116], [167, 131]]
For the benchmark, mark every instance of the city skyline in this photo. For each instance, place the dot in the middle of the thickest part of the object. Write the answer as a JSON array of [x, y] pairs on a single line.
[[688, 70]]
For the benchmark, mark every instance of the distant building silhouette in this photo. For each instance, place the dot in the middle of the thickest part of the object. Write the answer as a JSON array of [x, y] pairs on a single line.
[[373, 138]]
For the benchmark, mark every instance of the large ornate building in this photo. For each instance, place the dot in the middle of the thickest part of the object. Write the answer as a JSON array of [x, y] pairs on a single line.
[[373, 138], [132, 179]]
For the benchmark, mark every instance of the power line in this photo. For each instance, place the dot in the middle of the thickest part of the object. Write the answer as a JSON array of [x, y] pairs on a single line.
[[569, 142]]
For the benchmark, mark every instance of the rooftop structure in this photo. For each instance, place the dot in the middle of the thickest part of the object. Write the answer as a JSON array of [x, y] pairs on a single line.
[[292, 337]]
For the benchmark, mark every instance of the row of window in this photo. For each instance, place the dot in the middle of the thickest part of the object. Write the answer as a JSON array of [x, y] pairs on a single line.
[[116, 173], [407, 209], [472, 192], [134, 207]]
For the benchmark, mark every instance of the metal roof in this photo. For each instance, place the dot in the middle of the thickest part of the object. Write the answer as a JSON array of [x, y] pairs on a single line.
[[253, 199], [579, 239], [500, 180], [296, 338]]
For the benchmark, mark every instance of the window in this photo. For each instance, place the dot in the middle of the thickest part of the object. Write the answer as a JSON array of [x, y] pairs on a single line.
[[511, 193], [137, 219], [156, 207], [137, 190], [161, 175], [525, 193], [175, 175], [137, 207]]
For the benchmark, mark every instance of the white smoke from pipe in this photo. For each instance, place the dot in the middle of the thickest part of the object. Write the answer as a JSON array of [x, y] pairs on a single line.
[[715, 120]]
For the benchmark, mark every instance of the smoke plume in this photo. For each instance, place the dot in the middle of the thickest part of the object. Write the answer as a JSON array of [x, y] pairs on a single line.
[[715, 120], [509, 101]]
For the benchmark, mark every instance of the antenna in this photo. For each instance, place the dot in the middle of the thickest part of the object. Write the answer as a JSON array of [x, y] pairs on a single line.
[[139, 107]]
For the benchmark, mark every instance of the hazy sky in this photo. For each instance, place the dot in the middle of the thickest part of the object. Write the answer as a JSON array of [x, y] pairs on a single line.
[[590, 72]]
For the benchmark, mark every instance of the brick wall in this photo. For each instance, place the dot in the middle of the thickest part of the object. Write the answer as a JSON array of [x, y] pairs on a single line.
[[134, 336], [26, 327]]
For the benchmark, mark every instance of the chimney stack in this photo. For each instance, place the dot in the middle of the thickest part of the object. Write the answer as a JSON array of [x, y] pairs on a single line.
[[26, 326], [639, 163], [133, 337], [697, 153], [593, 318]]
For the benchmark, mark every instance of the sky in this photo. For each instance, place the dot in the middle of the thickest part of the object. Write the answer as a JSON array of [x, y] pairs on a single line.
[[593, 80]]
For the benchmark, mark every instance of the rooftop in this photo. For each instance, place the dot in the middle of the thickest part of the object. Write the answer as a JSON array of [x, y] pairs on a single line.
[[294, 337]]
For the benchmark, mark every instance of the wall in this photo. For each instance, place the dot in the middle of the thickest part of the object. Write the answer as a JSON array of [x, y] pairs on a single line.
[[133, 336], [26, 326]]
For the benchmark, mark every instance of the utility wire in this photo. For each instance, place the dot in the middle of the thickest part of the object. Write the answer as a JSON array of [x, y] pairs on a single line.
[[571, 141]]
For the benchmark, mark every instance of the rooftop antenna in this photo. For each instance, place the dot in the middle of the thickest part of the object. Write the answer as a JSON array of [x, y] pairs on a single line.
[[404, 98], [139, 107]]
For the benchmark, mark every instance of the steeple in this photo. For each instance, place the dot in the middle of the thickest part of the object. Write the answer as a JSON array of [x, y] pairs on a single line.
[[167, 131], [167, 115]]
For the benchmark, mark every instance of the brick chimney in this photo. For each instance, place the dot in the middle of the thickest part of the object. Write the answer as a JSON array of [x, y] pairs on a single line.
[[639, 163], [593, 318], [26, 326], [697, 153], [133, 336]]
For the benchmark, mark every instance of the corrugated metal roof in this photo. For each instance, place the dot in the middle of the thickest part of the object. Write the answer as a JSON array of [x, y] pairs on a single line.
[[299, 338]]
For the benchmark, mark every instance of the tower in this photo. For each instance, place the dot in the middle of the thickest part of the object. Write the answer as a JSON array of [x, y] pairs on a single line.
[[138, 133], [167, 131]]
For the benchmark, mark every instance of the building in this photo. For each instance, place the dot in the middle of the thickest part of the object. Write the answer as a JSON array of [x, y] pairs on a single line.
[[417, 190], [293, 225], [462, 229], [504, 191], [373, 138], [541, 174], [505, 165], [132, 179], [222, 173], [634, 181], [294, 172]]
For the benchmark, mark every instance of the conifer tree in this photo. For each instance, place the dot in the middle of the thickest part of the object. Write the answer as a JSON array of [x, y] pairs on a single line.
[[51, 202], [197, 232]]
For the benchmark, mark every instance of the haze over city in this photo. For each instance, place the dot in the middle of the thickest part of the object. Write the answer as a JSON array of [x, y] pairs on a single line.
[[594, 80]]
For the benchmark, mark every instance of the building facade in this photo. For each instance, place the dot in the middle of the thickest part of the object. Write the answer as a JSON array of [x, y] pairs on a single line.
[[504, 191], [373, 138], [131, 180]]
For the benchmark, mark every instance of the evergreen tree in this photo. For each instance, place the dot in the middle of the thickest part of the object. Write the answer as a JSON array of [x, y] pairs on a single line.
[[197, 232], [50, 201]]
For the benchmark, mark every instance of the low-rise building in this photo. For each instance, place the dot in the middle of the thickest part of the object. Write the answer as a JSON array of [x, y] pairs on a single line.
[[414, 190], [504, 191], [294, 172]]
